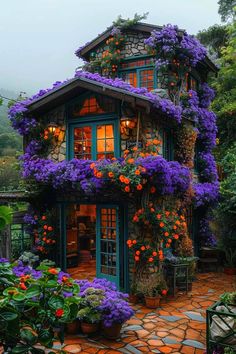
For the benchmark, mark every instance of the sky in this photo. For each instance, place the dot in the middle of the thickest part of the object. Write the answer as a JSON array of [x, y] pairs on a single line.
[[38, 38]]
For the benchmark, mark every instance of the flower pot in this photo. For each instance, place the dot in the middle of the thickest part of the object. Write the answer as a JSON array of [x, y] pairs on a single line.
[[89, 328], [152, 302], [230, 271], [112, 332], [133, 298], [73, 327]]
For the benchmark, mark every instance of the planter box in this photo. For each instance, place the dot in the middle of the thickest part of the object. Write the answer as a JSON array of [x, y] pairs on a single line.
[[221, 326]]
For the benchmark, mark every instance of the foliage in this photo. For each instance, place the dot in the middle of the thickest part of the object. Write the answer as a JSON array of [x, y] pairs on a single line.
[[145, 252], [214, 38], [43, 231], [89, 307], [5, 216], [9, 174], [184, 152], [28, 258], [226, 9], [229, 298], [152, 285], [33, 303], [123, 24]]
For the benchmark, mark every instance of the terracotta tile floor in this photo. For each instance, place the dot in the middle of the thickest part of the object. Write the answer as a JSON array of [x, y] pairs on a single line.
[[177, 327]]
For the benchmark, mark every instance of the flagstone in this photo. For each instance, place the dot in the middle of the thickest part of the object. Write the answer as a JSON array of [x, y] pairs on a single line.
[[155, 342], [162, 334], [72, 348], [187, 350], [142, 333], [165, 349], [193, 343], [195, 316]]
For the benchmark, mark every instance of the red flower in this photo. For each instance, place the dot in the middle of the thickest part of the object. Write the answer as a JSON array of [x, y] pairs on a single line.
[[53, 271], [164, 292], [59, 312]]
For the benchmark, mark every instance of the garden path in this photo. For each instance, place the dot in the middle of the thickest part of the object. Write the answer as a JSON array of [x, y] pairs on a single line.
[[177, 327]]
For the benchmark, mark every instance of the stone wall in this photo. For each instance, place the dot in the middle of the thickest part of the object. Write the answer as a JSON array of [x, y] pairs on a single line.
[[134, 46]]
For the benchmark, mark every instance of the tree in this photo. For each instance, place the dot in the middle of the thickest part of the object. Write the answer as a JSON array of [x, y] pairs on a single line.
[[214, 38], [226, 9]]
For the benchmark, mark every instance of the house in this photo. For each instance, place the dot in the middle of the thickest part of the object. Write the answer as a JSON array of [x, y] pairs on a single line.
[[97, 117]]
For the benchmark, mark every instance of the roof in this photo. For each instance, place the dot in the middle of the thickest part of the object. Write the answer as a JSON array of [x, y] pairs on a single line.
[[139, 27], [76, 86], [13, 196]]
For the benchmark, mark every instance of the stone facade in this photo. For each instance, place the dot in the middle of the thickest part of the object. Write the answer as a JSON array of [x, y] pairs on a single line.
[[134, 46]]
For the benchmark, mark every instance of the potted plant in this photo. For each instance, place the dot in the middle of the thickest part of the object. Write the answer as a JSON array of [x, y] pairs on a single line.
[[152, 287], [133, 297], [33, 304], [89, 313], [230, 257]]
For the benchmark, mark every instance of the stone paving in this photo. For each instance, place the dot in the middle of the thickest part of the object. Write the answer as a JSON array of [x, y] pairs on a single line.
[[178, 326]]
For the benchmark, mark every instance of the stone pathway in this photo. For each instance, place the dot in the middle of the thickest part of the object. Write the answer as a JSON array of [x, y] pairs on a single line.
[[177, 327]]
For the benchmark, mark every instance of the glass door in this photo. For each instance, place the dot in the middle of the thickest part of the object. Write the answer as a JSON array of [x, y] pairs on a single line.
[[107, 239]]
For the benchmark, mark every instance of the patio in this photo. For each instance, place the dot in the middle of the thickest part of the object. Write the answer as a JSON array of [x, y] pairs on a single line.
[[177, 327]]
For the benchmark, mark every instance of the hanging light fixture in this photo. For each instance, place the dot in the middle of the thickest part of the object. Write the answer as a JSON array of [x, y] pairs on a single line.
[[126, 125]]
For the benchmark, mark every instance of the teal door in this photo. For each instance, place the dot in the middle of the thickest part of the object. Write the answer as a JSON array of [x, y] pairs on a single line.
[[107, 243]]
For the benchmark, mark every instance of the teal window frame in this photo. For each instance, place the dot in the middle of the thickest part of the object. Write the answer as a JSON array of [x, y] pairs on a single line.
[[138, 69], [93, 120], [168, 144]]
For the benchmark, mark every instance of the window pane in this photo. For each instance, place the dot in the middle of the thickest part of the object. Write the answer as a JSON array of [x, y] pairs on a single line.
[[130, 78], [82, 142], [105, 141], [147, 79]]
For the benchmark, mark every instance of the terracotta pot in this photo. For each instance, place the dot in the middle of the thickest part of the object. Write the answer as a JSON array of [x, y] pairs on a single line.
[[73, 327], [230, 271], [112, 332], [152, 302], [89, 328], [133, 298]]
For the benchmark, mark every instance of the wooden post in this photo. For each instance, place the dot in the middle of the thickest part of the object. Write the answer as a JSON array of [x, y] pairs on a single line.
[[5, 242]]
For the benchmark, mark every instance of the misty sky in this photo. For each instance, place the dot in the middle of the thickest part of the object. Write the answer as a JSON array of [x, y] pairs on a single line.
[[38, 38]]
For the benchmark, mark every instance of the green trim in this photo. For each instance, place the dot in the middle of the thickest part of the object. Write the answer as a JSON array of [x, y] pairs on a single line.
[[137, 57], [138, 70], [99, 274]]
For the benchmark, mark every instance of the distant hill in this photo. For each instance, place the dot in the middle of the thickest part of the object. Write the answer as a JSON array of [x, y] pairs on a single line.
[[10, 141]]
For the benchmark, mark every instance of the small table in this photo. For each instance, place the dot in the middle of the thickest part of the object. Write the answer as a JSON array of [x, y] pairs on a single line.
[[171, 272]]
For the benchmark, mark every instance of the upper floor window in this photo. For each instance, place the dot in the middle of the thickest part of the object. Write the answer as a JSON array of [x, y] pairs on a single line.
[[93, 128], [139, 73], [94, 104]]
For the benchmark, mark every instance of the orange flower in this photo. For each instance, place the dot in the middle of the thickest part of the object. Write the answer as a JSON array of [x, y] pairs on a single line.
[[141, 154], [44, 217], [154, 254], [130, 161], [159, 217], [156, 142], [143, 169], [182, 217], [162, 224], [150, 259], [53, 271], [137, 172], [126, 151], [174, 227], [122, 178], [136, 258], [126, 180], [99, 175], [135, 148], [139, 187], [129, 242], [127, 189], [137, 253], [142, 248], [135, 218], [167, 213], [92, 165], [45, 227], [167, 245], [169, 240], [50, 228], [166, 234], [152, 190], [134, 242], [152, 210], [177, 222], [184, 224], [110, 174], [176, 236]]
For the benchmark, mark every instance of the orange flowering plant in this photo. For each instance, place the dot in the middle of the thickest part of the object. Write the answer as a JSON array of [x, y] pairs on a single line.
[[44, 233], [169, 224], [129, 175], [145, 252]]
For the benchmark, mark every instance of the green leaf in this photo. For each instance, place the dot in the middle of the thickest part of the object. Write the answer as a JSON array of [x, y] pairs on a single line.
[[21, 348], [56, 302], [51, 284], [28, 336], [6, 291], [18, 297], [45, 337], [33, 291], [8, 316]]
